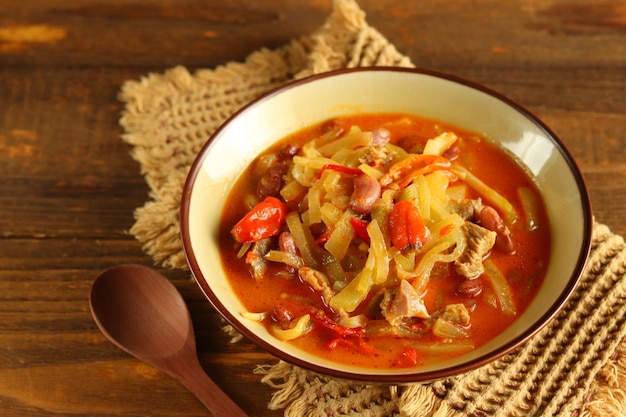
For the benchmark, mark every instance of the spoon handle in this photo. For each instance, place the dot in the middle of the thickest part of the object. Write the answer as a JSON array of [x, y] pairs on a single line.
[[207, 391]]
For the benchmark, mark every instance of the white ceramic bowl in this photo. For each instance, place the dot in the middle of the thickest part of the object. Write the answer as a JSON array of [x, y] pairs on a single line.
[[458, 102]]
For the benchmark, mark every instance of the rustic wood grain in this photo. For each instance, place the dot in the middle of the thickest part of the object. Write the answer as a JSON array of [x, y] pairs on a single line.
[[69, 186]]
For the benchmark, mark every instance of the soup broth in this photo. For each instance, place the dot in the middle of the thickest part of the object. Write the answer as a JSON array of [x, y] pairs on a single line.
[[385, 240]]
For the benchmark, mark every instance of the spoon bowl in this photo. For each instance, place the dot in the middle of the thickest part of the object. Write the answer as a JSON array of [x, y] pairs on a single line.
[[142, 312], [133, 291]]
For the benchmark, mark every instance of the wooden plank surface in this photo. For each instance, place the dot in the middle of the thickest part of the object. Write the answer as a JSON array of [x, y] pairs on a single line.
[[69, 186]]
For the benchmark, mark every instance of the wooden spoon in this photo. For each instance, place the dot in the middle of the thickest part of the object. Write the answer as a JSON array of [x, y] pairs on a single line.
[[140, 311]]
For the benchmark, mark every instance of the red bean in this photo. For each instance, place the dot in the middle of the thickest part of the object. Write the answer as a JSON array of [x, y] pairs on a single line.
[[272, 181], [287, 243], [333, 128], [366, 191], [505, 242], [490, 219], [453, 152], [282, 316], [470, 287], [412, 143], [288, 152]]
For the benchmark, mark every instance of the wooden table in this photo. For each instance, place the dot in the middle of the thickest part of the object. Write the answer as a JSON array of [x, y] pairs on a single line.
[[69, 186]]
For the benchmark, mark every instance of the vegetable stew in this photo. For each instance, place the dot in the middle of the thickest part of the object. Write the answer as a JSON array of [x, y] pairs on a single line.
[[385, 240]]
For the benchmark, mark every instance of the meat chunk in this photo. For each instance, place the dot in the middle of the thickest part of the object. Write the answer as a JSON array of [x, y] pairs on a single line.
[[457, 314], [479, 243], [470, 287], [375, 156], [467, 208], [402, 302], [318, 281], [452, 322]]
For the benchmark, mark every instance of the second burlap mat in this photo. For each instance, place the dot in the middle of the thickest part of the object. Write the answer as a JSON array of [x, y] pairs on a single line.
[[575, 366]]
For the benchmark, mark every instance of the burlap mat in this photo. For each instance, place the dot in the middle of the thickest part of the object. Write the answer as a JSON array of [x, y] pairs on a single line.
[[575, 366]]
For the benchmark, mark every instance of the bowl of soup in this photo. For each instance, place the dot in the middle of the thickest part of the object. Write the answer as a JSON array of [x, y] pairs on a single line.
[[386, 225]]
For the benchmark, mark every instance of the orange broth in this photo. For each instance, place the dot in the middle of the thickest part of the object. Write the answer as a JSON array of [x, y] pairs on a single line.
[[524, 269]]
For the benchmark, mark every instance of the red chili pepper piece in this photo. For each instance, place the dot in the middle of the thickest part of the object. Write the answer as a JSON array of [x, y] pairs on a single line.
[[349, 337], [265, 220], [323, 238], [408, 358], [360, 228], [251, 257], [339, 168], [406, 226], [323, 320]]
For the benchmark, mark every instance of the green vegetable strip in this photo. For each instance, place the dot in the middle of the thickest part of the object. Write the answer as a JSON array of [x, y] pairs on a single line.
[[354, 293], [501, 288], [488, 193], [313, 255], [379, 251], [341, 237], [284, 257], [530, 205], [355, 138], [375, 272], [302, 237]]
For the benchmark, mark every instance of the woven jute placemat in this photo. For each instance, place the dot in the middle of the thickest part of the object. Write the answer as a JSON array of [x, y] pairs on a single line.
[[576, 366]]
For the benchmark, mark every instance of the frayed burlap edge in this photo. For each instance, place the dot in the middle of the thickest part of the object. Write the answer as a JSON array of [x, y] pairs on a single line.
[[168, 117], [607, 396]]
